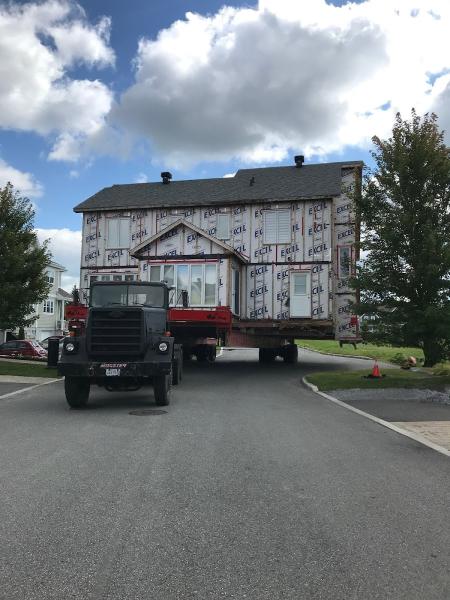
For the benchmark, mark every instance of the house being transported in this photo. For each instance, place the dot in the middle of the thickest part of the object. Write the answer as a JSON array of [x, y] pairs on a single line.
[[276, 245]]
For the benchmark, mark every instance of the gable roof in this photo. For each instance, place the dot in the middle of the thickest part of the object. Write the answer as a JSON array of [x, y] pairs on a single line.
[[269, 184], [136, 251]]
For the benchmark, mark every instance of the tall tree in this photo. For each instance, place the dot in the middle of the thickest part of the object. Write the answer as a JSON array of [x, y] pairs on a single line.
[[405, 214], [23, 261]]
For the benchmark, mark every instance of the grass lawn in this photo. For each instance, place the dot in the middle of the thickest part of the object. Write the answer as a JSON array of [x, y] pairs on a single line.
[[26, 370], [343, 380], [386, 353]]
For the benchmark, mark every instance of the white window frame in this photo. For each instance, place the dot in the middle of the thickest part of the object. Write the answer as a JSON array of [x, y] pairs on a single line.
[[48, 307], [50, 276], [282, 236], [175, 294], [223, 226], [121, 238]]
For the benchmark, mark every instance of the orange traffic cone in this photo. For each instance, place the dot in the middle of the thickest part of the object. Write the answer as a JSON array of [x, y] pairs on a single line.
[[376, 370]]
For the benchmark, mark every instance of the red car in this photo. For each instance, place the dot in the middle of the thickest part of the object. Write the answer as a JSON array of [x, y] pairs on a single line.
[[25, 348]]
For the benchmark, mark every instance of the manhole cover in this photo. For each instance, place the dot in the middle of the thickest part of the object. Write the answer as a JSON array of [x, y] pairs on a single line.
[[147, 412]]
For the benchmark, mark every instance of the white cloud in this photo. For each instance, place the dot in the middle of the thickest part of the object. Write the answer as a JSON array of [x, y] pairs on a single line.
[[65, 245], [141, 178], [24, 183], [257, 84], [39, 44]]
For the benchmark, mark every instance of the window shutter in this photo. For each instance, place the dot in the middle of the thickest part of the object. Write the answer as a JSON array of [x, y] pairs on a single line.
[[270, 226], [284, 227], [223, 227], [124, 233], [113, 233]]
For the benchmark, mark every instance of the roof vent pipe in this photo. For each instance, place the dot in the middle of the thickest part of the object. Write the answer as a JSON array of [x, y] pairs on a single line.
[[299, 160], [166, 177]]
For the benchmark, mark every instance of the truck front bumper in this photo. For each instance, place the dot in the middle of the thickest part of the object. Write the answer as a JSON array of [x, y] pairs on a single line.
[[101, 371]]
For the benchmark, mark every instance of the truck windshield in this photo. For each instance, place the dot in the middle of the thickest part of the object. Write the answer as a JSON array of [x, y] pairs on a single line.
[[127, 295]]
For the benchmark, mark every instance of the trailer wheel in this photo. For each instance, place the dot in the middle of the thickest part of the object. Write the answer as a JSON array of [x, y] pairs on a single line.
[[267, 355], [77, 391], [161, 389], [290, 354], [202, 354]]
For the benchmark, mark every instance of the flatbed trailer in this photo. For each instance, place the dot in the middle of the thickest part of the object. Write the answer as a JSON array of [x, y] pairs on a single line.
[[201, 330]]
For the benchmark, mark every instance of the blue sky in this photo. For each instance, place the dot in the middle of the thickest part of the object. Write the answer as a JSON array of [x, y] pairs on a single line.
[[105, 91]]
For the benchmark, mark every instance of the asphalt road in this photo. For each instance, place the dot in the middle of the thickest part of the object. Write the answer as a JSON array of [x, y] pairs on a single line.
[[250, 486]]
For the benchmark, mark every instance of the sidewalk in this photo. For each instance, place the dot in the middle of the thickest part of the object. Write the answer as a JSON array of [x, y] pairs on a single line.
[[421, 411]]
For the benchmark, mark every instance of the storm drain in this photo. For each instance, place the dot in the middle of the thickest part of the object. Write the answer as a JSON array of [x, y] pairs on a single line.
[[147, 412]]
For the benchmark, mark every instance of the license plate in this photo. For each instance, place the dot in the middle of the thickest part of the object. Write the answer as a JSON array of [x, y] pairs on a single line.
[[112, 372]]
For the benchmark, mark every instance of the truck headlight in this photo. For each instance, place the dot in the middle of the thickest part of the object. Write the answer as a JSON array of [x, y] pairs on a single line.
[[70, 347], [163, 347]]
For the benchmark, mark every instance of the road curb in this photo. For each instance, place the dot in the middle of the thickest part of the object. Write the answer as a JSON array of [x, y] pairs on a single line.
[[387, 424], [26, 389], [342, 355]]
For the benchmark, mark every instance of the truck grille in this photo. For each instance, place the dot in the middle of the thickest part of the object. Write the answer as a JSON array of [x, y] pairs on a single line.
[[115, 332]]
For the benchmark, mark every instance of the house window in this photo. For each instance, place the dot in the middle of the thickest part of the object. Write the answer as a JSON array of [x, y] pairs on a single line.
[[199, 280], [277, 226], [223, 227], [50, 277], [48, 307], [344, 261], [118, 233]]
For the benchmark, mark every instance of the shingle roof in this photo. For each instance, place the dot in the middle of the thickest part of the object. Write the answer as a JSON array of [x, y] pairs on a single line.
[[270, 184]]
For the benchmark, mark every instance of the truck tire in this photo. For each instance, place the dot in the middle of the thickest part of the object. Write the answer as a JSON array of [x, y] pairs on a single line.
[[77, 391], [290, 354], [161, 388], [267, 355], [177, 370]]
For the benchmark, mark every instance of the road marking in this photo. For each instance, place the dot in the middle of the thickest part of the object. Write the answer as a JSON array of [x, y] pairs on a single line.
[[31, 387], [414, 436]]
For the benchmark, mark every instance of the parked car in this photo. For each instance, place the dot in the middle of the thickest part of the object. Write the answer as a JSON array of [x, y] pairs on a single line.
[[22, 348], [44, 342]]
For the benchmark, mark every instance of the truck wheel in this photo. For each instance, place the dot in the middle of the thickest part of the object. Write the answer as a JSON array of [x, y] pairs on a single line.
[[290, 354], [266, 355], [77, 391], [177, 371], [212, 353], [161, 389]]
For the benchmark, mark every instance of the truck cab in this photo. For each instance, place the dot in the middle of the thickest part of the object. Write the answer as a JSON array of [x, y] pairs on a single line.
[[126, 343]]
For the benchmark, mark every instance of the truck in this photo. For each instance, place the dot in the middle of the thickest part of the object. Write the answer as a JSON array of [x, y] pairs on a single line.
[[125, 344]]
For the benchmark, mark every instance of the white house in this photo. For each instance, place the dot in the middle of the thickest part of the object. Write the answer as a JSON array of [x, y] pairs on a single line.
[[50, 313]]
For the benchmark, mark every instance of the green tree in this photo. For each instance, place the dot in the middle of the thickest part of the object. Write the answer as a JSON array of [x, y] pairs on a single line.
[[405, 214], [23, 261]]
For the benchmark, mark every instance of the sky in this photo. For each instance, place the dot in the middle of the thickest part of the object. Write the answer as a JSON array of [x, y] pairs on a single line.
[[100, 92]]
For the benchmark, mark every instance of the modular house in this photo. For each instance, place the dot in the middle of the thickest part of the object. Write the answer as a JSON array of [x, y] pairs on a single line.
[[276, 244]]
